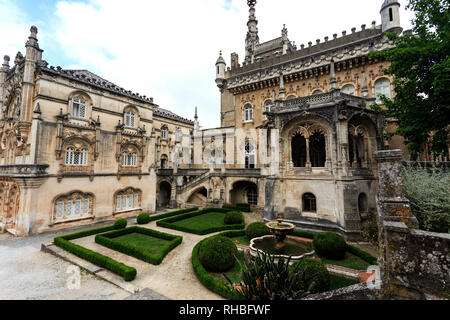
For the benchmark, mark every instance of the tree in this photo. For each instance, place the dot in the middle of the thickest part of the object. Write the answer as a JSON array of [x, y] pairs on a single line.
[[420, 65]]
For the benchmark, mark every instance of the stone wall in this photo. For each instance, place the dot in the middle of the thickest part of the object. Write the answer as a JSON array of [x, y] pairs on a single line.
[[414, 264]]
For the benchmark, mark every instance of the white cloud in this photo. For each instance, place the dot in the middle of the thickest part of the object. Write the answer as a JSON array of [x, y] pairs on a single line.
[[167, 49]]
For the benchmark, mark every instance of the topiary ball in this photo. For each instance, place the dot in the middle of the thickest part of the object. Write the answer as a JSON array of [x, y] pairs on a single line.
[[330, 245], [312, 274], [233, 217], [143, 218], [256, 230], [217, 254], [120, 224]]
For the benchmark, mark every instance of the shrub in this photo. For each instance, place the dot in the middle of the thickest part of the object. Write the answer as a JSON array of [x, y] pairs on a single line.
[[314, 274], [218, 254], [265, 279], [120, 224], [233, 217], [428, 193], [143, 218], [330, 245], [256, 230]]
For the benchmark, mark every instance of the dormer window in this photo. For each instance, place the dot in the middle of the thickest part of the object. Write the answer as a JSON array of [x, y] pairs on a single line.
[[78, 108]]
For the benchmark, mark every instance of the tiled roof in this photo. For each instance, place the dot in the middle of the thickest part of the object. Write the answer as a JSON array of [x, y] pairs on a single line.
[[163, 113]]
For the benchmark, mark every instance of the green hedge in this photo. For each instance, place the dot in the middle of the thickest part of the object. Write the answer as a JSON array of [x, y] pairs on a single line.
[[240, 207], [108, 241], [208, 281], [126, 272], [171, 214], [362, 254], [167, 223]]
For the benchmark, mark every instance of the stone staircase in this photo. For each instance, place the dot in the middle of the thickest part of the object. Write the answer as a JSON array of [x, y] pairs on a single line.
[[196, 181]]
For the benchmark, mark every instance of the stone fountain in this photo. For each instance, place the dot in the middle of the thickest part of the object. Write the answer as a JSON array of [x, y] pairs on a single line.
[[277, 244]]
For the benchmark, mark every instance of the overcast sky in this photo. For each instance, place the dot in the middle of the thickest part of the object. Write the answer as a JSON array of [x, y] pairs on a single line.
[[168, 49]]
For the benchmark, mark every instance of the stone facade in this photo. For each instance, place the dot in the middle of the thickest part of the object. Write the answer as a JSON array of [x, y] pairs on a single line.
[[75, 148]]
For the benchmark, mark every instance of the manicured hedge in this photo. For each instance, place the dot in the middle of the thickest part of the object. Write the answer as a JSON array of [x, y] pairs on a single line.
[[168, 223], [126, 272], [218, 254], [143, 218], [240, 207], [120, 224], [171, 214], [362, 254], [233, 217], [256, 230], [108, 241], [208, 281]]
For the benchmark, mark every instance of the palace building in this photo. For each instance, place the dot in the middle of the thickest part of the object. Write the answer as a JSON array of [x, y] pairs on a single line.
[[297, 137]]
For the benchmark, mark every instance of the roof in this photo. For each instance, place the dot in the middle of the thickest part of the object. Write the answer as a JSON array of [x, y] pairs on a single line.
[[163, 113], [90, 78]]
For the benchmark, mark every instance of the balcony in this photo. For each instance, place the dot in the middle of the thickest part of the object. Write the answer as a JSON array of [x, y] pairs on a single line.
[[24, 171]]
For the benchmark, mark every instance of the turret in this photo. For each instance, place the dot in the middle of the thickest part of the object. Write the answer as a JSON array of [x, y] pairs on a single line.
[[390, 17], [220, 71]]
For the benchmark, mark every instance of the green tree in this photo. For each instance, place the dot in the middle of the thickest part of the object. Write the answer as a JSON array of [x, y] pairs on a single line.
[[420, 65]]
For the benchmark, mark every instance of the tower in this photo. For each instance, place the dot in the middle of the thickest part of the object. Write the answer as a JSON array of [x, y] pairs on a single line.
[[220, 70], [390, 17], [252, 35]]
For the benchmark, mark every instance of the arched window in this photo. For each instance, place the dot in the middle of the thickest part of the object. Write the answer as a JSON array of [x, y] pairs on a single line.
[[382, 88], [309, 202], [349, 89], [128, 199], [356, 150], [74, 205], [267, 106], [317, 148], [164, 133], [249, 156], [178, 135], [130, 119], [79, 108], [248, 113], [76, 157], [252, 196], [299, 151]]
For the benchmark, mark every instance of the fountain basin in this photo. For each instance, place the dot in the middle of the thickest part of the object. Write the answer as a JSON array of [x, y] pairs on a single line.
[[293, 248]]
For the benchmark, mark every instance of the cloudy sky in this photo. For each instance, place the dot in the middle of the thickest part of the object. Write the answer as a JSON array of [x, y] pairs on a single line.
[[168, 49]]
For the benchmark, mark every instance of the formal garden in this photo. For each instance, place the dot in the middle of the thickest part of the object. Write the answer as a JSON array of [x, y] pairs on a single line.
[[221, 260]]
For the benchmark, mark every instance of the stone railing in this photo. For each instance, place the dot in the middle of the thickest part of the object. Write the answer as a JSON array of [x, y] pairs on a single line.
[[414, 264], [24, 170]]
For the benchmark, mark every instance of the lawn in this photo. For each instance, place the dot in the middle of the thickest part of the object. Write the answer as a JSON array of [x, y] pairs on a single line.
[[338, 282], [204, 221], [242, 240], [350, 261], [144, 242]]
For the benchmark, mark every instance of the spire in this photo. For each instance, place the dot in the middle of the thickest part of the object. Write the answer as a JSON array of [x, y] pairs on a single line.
[[252, 35], [196, 123], [32, 39]]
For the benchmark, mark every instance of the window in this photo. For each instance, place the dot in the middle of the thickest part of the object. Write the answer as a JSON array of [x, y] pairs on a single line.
[[299, 151], [391, 15], [348, 89], [249, 156], [164, 133], [309, 203], [317, 151], [248, 113], [75, 205], [252, 196], [178, 135], [164, 161], [129, 159], [76, 158], [130, 119], [267, 106], [128, 199], [78, 108], [382, 87]]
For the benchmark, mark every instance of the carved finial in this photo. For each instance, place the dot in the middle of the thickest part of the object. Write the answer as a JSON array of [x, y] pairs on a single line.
[[196, 115], [251, 3]]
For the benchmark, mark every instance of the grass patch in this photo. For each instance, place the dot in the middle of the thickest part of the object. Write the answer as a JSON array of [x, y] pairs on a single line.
[[200, 222], [350, 261], [143, 244], [338, 282], [126, 272], [235, 274]]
